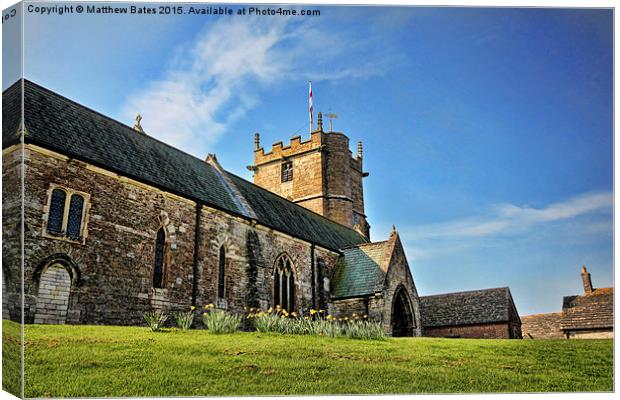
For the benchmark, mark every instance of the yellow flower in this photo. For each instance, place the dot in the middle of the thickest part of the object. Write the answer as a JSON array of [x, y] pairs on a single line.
[[354, 315], [278, 307], [312, 311], [193, 308], [329, 317], [294, 314], [284, 316], [270, 310], [321, 311]]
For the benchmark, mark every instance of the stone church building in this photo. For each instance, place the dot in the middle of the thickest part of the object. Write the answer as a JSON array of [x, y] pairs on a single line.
[[116, 223]]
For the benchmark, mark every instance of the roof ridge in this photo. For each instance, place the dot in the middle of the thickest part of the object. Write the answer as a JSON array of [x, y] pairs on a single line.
[[539, 314], [363, 244], [296, 205], [466, 291]]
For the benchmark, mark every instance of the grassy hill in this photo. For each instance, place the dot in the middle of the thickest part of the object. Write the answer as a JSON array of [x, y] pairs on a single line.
[[97, 361]]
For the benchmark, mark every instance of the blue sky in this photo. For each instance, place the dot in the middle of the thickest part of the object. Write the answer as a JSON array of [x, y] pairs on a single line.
[[487, 132]]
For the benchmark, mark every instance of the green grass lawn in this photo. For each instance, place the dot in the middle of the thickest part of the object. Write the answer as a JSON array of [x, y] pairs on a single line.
[[98, 361]]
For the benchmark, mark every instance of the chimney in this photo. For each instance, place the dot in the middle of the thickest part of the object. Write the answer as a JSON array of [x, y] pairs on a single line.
[[587, 281], [320, 122], [257, 141]]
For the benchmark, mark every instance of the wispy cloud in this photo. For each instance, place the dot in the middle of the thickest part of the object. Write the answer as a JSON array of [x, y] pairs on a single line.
[[588, 213], [512, 219], [219, 77]]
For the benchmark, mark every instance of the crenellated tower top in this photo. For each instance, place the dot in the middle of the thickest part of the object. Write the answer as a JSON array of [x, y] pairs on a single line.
[[319, 173]]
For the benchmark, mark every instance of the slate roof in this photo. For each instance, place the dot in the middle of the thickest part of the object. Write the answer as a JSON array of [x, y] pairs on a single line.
[[358, 272], [466, 308], [11, 114], [64, 126], [589, 311]]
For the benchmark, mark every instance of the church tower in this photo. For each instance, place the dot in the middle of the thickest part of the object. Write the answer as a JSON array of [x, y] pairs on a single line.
[[320, 174]]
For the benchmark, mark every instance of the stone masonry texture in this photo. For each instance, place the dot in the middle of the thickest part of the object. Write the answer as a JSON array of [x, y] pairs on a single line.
[[326, 178]]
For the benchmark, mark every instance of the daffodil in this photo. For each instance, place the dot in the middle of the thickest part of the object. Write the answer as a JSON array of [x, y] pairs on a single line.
[[312, 311], [193, 308]]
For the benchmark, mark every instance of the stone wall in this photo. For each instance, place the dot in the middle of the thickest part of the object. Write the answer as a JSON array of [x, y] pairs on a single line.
[[5, 300], [112, 281], [482, 331], [542, 326], [11, 233], [591, 334]]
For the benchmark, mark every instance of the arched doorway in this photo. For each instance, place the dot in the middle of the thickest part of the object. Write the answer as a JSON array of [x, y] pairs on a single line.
[[53, 295], [402, 314]]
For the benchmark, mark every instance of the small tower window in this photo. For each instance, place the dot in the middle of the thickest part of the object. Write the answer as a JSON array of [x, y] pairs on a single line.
[[284, 284], [56, 212], [221, 282], [158, 273], [287, 171]]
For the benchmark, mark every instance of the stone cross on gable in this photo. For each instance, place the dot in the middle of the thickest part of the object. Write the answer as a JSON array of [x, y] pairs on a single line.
[[136, 125]]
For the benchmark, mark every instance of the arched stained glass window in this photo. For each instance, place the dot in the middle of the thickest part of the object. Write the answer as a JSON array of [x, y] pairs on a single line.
[[158, 273], [74, 221], [284, 284], [221, 282], [56, 212]]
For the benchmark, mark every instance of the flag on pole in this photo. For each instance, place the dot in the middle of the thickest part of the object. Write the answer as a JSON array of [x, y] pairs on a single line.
[[310, 104]]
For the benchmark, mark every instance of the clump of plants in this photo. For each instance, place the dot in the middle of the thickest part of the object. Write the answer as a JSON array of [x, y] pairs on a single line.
[[155, 319], [220, 321], [185, 319], [316, 322]]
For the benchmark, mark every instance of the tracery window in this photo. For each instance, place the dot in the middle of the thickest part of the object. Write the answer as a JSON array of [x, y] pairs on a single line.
[[66, 213], [221, 282], [287, 171], [160, 247], [284, 283]]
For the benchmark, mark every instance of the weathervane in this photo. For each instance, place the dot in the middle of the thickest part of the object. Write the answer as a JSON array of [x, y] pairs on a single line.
[[331, 118]]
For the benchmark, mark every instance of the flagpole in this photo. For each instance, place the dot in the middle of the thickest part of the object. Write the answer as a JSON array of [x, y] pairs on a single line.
[[310, 105]]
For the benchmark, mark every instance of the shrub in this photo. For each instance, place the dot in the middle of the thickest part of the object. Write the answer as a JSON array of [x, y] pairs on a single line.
[[220, 321], [185, 320], [155, 319]]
